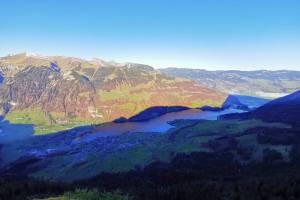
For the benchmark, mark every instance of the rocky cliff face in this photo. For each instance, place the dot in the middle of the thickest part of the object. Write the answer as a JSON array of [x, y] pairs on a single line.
[[64, 89]]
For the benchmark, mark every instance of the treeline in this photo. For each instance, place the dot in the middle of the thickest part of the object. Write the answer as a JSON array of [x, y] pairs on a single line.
[[195, 176], [205, 176], [22, 188]]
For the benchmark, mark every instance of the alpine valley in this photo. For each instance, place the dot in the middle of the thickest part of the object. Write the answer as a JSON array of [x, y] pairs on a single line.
[[55, 93], [143, 133]]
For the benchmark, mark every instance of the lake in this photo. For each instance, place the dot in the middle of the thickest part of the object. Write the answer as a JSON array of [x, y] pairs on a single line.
[[10, 132], [160, 124]]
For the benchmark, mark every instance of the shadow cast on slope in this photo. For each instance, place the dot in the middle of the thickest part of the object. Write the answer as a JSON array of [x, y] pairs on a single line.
[[11, 132]]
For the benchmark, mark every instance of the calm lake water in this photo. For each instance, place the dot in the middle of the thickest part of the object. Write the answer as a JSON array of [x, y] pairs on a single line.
[[160, 124], [10, 132]]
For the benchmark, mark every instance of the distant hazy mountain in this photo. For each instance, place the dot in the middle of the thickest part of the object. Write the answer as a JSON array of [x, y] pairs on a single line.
[[262, 83], [64, 92]]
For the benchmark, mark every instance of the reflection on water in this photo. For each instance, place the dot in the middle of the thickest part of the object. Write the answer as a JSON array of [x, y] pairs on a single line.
[[10, 132], [160, 124]]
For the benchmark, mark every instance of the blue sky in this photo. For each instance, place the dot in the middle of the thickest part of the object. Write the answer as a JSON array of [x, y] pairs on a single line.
[[211, 34]]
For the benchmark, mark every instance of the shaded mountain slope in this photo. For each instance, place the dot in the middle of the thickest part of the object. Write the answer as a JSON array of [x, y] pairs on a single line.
[[285, 109], [81, 153]]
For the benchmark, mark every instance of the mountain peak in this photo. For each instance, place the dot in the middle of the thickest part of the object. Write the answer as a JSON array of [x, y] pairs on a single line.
[[104, 63], [69, 87], [22, 55], [25, 59], [31, 54]]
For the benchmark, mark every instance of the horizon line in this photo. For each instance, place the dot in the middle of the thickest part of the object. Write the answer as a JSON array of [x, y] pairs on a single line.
[[231, 68]]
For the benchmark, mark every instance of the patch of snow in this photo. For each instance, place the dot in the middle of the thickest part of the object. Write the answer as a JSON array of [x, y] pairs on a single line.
[[31, 54], [104, 63]]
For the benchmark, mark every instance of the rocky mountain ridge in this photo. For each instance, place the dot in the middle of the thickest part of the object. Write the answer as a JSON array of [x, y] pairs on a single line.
[[63, 90]]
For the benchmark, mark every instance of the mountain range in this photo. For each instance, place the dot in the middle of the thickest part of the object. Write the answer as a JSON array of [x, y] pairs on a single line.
[[55, 93], [148, 132], [260, 83]]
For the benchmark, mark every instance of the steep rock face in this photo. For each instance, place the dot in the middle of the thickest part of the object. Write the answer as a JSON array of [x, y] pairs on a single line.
[[26, 87], [234, 102], [72, 97], [70, 89]]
